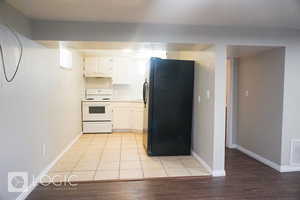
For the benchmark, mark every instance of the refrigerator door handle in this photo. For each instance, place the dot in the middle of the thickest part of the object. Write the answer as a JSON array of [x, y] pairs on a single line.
[[144, 92]]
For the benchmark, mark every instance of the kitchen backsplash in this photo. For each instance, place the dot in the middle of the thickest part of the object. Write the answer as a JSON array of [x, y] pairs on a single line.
[[132, 91], [92, 83]]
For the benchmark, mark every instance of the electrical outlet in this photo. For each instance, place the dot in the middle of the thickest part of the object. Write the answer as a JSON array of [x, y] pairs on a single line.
[[44, 150]]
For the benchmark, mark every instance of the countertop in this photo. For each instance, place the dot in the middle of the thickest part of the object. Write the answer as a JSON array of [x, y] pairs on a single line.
[[127, 100], [119, 100]]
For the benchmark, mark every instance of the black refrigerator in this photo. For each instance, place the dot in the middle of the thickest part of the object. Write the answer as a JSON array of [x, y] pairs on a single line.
[[168, 104]]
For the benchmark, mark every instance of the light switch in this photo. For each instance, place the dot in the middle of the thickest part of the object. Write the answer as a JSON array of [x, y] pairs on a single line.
[[199, 99], [247, 93], [207, 94]]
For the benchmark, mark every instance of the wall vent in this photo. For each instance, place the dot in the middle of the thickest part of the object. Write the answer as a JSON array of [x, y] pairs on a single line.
[[295, 152]]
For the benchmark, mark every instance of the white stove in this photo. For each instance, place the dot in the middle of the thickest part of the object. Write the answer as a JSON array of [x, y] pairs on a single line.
[[98, 95], [96, 111]]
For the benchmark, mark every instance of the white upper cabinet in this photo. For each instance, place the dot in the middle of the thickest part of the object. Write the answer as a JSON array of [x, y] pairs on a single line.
[[121, 71], [91, 67], [99, 66], [106, 65]]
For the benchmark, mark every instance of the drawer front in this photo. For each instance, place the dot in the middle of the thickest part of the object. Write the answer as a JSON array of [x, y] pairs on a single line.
[[97, 127]]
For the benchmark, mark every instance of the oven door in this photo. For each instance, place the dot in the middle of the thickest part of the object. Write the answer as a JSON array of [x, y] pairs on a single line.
[[96, 111]]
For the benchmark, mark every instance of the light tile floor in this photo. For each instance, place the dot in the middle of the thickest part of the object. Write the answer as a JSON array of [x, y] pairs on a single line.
[[119, 156]]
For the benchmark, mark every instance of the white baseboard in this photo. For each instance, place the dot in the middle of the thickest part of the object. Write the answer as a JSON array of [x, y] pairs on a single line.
[[232, 146], [217, 173], [31, 187], [280, 168], [207, 167], [289, 168], [259, 158]]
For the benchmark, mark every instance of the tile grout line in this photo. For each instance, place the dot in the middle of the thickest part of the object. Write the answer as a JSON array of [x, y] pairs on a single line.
[[120, 156], [181, 161], [164, 168], [100, 159], [86, 141], [80, 157], [142, 168], [71, 170]]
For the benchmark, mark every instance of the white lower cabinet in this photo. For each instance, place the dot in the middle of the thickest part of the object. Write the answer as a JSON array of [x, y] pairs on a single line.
[[137, 118], [121, 118], [127, 116], [96, 127]]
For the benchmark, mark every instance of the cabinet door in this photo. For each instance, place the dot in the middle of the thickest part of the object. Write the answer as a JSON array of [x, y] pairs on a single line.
[[105, 67], [137, 119], [121, 71], [121, 118], [91, 66]]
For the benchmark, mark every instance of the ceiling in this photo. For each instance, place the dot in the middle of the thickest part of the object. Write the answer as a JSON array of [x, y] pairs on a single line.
[[244, 51], [254, 13], [77, 45]]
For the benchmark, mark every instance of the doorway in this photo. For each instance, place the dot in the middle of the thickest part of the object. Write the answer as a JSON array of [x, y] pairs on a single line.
[[255, 81], [120, 68]]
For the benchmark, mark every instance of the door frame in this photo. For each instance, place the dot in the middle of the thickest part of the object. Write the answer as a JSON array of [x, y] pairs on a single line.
[[231, 102]]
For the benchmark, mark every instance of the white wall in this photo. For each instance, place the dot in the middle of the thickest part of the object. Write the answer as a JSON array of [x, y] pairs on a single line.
[[203, 121], [13, 18], [291, 99], [203, 111], [41, 106], [260, 113]]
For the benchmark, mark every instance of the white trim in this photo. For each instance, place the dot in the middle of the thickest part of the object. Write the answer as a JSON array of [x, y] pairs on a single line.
[[31, 187], [259, 158], [217, 173], [289, 168], [232, 146], [205, 165], [280, 168], [229, 100], [292, 164]]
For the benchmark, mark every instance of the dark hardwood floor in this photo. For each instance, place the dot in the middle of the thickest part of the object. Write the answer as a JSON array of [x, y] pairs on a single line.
[[246, 179]]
